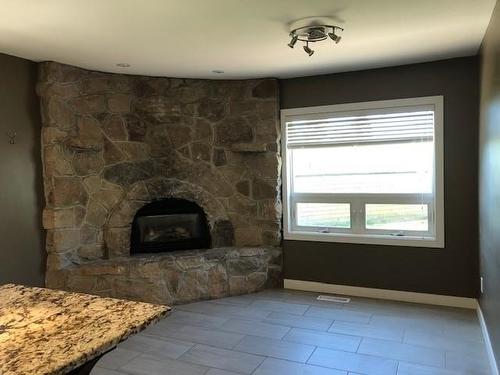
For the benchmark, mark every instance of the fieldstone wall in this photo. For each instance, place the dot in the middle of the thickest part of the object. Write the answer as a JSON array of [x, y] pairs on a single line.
[[179, 277], [112, 143]]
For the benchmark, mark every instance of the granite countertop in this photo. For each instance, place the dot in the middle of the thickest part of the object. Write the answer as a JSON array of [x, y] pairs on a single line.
[[44, 331]]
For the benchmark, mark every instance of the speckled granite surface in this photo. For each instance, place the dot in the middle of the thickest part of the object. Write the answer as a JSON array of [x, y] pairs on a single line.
[[44, 331]]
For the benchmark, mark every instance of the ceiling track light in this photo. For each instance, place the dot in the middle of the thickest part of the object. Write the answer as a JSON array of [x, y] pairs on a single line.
[[308, 50], [312, 34], [293, 41]]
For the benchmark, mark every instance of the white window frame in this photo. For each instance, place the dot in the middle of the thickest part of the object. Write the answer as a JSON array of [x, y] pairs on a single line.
[[432, 239]]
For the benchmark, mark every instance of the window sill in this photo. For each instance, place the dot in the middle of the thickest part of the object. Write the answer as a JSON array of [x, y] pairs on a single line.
[[366, 239]]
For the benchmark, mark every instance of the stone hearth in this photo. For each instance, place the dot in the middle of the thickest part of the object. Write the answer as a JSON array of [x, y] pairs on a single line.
[[113, 143]]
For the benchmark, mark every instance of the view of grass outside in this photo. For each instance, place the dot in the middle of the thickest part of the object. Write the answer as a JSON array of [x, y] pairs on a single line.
[[397, 217], [329, 215], [413, 217]]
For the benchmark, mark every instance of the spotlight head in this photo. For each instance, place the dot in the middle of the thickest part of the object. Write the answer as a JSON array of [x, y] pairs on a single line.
[[293, 41], [336, 38], [308, 50]]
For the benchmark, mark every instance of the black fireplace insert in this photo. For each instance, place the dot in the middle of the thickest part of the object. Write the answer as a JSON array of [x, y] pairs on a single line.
[[169, 225]]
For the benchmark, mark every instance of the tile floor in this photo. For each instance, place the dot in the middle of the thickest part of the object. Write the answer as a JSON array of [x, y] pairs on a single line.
[[288, 332]]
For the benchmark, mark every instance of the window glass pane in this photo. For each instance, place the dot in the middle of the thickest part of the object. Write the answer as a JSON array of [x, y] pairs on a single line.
[[405, 167], [397, 217], [331, 215]]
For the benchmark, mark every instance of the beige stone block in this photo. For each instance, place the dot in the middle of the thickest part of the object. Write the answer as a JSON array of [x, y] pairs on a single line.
[[92, 183], [56, 262], [102, 268], [89, 134], [54, 162], [117, 242], [107, 198], [52, 219], [88, 104], [61, 240], [119, 103], [237, 285], [139, 192], [55, 279], [114, 128], [81, 284], [91, 252], [248, 236], [134, 150], [96, 214], [60, 114], [52, 135], [188, 262]]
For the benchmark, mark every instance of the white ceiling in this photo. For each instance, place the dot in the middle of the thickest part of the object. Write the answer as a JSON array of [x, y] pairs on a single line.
[[244, 38]]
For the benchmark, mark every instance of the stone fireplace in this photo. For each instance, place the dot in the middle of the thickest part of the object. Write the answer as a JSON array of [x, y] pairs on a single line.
[[114, 147]]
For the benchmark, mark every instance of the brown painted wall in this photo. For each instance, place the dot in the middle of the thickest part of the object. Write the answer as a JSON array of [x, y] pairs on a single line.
[[21, 249], [452, 270], [489, 181]]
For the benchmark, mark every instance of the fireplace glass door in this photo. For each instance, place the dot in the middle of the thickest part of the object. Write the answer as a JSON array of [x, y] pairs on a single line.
[[168, 225]]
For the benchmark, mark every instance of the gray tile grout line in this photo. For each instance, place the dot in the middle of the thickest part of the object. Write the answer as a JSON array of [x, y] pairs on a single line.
[[310, 355], [359, 345], [210, 367]]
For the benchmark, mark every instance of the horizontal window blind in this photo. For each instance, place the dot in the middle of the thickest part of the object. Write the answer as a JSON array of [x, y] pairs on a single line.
[[366, 128]]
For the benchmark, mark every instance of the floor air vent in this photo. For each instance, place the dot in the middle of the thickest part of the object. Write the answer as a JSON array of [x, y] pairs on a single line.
[[333, 299]]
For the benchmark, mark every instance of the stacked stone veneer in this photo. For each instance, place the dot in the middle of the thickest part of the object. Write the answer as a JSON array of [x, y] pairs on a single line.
[[113, 143]]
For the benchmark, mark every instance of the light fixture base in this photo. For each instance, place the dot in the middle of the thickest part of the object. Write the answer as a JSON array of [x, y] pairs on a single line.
[[312, 30]]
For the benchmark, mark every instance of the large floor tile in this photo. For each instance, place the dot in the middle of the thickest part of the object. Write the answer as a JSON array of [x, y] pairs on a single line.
[[367, 330], [414, 369], [242, 301], [194, 319], [224, 311], [217, 371], [293, 320], [254, 328], [406, 322], [353, 362], [463, 331], [403, 352], [338, 314], [275, 348], [104, 371], [158, 347], [146, 365], [290, 308], [439, 341], [272, 366], [468, 364], [117, 357], [199, 335], [223, 359], [323, 339]]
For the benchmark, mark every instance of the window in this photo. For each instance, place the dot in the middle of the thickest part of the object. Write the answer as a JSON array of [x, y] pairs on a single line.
[[365, 172]]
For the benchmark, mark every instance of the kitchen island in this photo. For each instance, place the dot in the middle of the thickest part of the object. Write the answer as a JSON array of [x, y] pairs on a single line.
[[44, 331]]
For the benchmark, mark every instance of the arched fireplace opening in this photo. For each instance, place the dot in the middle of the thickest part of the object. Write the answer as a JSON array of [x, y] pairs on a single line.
[[168, 225]]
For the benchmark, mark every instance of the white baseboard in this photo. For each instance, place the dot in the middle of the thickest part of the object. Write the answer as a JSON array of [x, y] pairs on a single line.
[[487, 342], [395, 295]]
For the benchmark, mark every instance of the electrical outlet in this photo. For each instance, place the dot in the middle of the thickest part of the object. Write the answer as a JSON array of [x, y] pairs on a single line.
[[481, 283]]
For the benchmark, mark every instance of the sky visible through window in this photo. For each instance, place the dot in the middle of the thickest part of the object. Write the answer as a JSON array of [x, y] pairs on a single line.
[[371, 168]]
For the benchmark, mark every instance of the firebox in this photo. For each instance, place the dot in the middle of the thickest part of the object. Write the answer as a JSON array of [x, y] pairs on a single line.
[[168, 225]]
